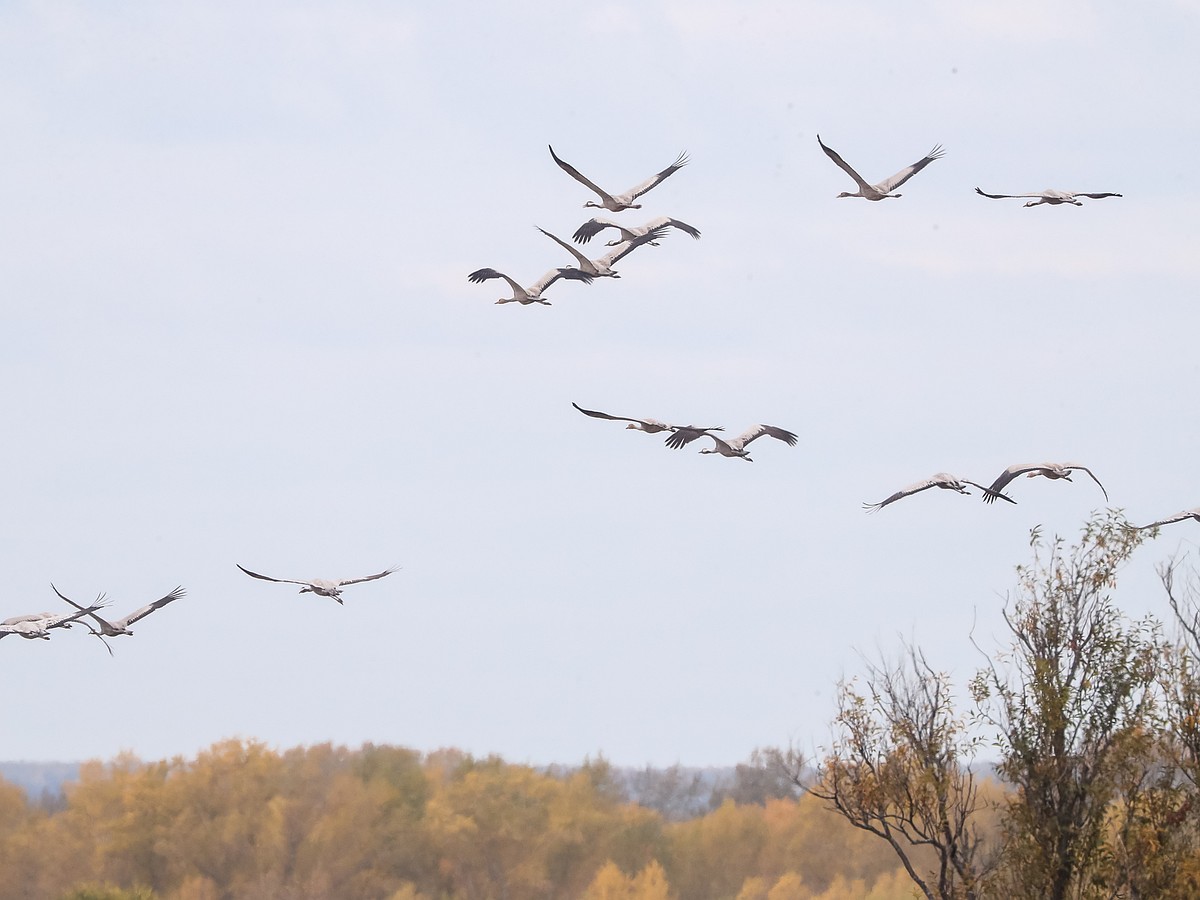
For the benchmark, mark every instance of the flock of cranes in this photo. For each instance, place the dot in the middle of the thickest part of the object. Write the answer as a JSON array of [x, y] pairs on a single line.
[[585, 269], [886, 189], [632, 237], [588, 270], [35, 626], [679, 436], [682, 435], [994, 491]]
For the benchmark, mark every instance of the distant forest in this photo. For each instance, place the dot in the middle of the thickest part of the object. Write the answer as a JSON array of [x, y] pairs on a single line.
[[678, 791], [243, 821]]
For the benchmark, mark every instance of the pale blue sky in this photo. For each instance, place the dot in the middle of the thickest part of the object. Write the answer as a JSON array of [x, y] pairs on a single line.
[[238, 330]]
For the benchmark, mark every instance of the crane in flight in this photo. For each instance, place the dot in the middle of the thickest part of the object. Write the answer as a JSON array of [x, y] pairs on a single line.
[[603, 267], [618, 202], [121, 626], [593, 227], [1050, 196], [942, 480], [734, 448], [323, 587], [883, 189], [534, 292], [651, 426], [1053, 471]]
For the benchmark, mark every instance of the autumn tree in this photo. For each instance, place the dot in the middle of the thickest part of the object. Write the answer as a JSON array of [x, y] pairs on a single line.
[[897, 769], [712, 856], [610, 883], [1071, 704]]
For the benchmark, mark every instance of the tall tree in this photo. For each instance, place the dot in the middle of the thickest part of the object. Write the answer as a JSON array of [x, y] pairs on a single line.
[[1070, 702], [896, 770]]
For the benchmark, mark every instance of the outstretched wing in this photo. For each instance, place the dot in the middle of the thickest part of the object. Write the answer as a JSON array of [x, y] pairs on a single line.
[[593, 227], [77, 606], [682, 435], [914, 488], [1178, 517], [675, 223], [574, 173], [992, 493], [996, 495], [151, 607], [481, 275], [1074, 467], [67, 618], [269, 578], [753, 434], [1100, 196], [571, 274], [346, 581], [30, 617], [583, 260], [596, 414], [655, 179], [983, 193], [909, 171], [843, 165]]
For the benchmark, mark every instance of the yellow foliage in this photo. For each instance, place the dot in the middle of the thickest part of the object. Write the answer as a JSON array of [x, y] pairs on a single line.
[[13, 809], [753, 888], [610, 883], [894, 886], [844, 888], [197, 888], [790, 886], [243, 820], [714, 854], [651, 883], [408, 891]]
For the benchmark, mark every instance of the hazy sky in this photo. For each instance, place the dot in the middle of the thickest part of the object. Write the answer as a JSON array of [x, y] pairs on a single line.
[[238, 329]]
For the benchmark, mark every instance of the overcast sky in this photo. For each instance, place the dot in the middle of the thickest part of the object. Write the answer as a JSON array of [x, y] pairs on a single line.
[[238, 329]]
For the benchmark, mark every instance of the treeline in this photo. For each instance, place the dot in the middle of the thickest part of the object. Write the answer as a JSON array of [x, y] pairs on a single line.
[[243, 821]]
